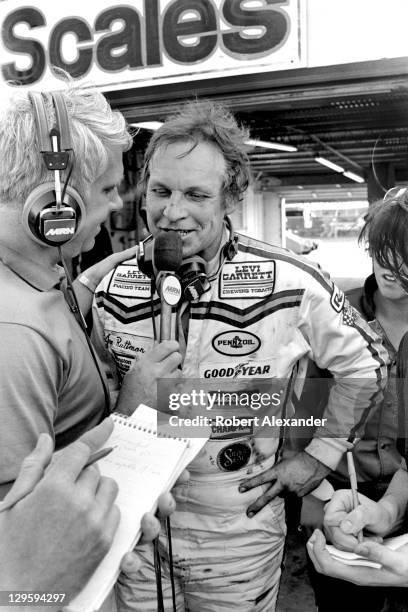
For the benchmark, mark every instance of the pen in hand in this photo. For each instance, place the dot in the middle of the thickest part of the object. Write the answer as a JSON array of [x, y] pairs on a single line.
[[6, 505], [98, 455], [353, 484]]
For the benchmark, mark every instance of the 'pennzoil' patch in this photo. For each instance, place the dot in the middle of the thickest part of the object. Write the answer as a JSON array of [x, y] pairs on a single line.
[[236, 342], [247, 279]]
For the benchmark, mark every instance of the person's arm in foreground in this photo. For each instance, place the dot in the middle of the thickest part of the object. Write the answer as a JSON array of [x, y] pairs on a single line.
[[54, 537], [342, 525], [91, 277]]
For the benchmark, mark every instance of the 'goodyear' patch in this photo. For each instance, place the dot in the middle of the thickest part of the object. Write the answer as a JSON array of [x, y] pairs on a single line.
[[128, 281], [244, 369], [247, 279]]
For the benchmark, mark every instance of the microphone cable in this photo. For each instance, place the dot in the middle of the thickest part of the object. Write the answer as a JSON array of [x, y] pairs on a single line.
[[76, 310]]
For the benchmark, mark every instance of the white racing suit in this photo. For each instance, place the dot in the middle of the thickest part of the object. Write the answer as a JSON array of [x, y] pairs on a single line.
[[266, 310]]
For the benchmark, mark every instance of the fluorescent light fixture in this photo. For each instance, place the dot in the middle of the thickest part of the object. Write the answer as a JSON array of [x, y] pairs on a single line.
[[354, 177], [270, 145], [326, 162], [148, 125]]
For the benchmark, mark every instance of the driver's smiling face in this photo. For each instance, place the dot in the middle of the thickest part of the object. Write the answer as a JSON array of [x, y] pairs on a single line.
[[185, 193]]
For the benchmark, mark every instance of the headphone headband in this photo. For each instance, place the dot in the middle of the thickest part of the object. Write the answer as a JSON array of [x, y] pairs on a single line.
[[41, 123], [62, 120]]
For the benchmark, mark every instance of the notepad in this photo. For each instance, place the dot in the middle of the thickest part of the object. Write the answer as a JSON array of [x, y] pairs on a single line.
[[350, 558], [145, 464]]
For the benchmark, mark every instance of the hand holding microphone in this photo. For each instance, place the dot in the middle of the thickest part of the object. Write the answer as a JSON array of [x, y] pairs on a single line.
[[163, 360]]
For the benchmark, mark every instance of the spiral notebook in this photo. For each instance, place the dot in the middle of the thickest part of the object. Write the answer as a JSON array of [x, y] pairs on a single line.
[[145, 464]]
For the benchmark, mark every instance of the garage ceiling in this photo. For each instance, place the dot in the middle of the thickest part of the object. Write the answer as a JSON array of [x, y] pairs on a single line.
[[366, 134], [355, 115]]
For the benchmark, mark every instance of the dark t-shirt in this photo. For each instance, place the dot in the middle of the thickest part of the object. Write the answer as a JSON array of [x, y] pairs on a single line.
[[402, 396]]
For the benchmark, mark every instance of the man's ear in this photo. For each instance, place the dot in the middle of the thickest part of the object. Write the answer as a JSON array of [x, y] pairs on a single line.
[[229, 204]]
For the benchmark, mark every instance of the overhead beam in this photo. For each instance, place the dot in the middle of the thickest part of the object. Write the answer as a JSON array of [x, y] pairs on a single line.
[[283, 89]]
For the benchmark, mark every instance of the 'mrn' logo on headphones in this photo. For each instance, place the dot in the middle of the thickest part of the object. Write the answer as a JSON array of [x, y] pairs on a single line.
[[55, 230], [60, 231]]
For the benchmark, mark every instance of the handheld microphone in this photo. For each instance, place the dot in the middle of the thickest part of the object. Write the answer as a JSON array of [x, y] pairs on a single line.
[[167, 258]]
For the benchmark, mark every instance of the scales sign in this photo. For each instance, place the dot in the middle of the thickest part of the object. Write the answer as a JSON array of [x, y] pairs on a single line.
[[118, 45]]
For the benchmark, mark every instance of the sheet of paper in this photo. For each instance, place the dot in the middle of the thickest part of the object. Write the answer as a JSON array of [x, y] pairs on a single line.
[[350, 558], [144, 414]]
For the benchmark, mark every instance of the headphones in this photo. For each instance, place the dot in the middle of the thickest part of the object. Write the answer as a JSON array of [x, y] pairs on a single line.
[[53, 212], [192, 272]]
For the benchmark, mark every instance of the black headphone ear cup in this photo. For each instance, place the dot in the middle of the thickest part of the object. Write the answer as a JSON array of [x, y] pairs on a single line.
[[47, 225], [193, 278]]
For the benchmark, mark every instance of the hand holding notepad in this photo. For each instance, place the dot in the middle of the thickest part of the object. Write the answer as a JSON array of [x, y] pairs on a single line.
[[144, 464], [350, 558]]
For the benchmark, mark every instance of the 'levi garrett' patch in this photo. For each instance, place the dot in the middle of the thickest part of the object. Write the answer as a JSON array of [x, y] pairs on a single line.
[[247, 279]]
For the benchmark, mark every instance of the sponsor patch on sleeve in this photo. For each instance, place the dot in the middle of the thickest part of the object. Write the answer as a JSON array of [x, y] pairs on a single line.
[[128, 281], [350, 314], [247, 279], [337, 299]]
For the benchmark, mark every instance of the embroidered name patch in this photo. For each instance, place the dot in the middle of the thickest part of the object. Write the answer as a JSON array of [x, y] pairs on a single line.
[[247, 279], [128, 281], [128, 344], [125, 348]]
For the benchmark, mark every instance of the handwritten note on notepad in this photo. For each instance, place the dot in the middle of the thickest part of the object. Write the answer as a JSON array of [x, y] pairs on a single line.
[[144, 464]]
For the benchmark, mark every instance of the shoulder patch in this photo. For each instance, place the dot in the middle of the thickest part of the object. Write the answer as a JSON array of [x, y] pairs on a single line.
[[128, 281], [337, 299], [350, 314], [247, 279]]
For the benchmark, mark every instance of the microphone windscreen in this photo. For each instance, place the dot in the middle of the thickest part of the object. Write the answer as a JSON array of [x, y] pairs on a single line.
[[167, 251]]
